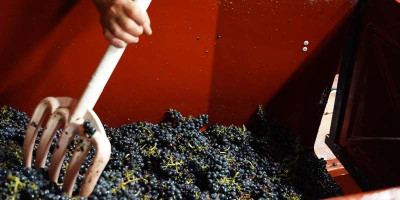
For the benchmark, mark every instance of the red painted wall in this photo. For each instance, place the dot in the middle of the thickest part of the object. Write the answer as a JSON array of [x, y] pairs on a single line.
[[51, 47]]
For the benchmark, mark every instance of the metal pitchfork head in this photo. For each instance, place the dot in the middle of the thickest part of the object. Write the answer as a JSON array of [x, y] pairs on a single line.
[[72, 123]]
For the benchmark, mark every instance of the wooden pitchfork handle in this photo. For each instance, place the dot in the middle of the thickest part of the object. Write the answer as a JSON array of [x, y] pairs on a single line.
[[102, 74]]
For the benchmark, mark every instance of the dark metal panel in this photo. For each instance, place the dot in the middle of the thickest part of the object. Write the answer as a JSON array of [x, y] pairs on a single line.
[[366, 126]]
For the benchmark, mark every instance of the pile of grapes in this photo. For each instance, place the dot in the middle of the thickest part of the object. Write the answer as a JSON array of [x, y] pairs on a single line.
[[180, 158]]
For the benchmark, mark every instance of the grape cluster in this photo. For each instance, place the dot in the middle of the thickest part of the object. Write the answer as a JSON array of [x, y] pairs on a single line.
[[179, 158]]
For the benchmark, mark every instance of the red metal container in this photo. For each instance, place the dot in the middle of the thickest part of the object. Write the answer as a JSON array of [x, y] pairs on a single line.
[[51, 48], [220, 57]]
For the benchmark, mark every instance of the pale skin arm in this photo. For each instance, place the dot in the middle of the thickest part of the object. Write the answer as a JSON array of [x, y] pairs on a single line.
[[122, 21]]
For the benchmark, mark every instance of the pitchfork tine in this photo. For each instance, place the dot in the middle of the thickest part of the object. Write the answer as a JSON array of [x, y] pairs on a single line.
[[99, 162], [54, 123], [80, 152], [47, 105], [58, 155]]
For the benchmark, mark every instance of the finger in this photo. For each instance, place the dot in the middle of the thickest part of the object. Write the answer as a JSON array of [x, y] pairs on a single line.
[[130, 26], [146, 25], [113, 40], [133, 11], [147, 29], [118, 32]]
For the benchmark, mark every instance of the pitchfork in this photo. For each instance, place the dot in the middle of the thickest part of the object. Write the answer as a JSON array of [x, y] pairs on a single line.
[[73, 123]]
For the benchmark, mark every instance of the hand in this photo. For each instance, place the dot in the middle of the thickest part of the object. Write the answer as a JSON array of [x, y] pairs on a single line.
[[123, 21]]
